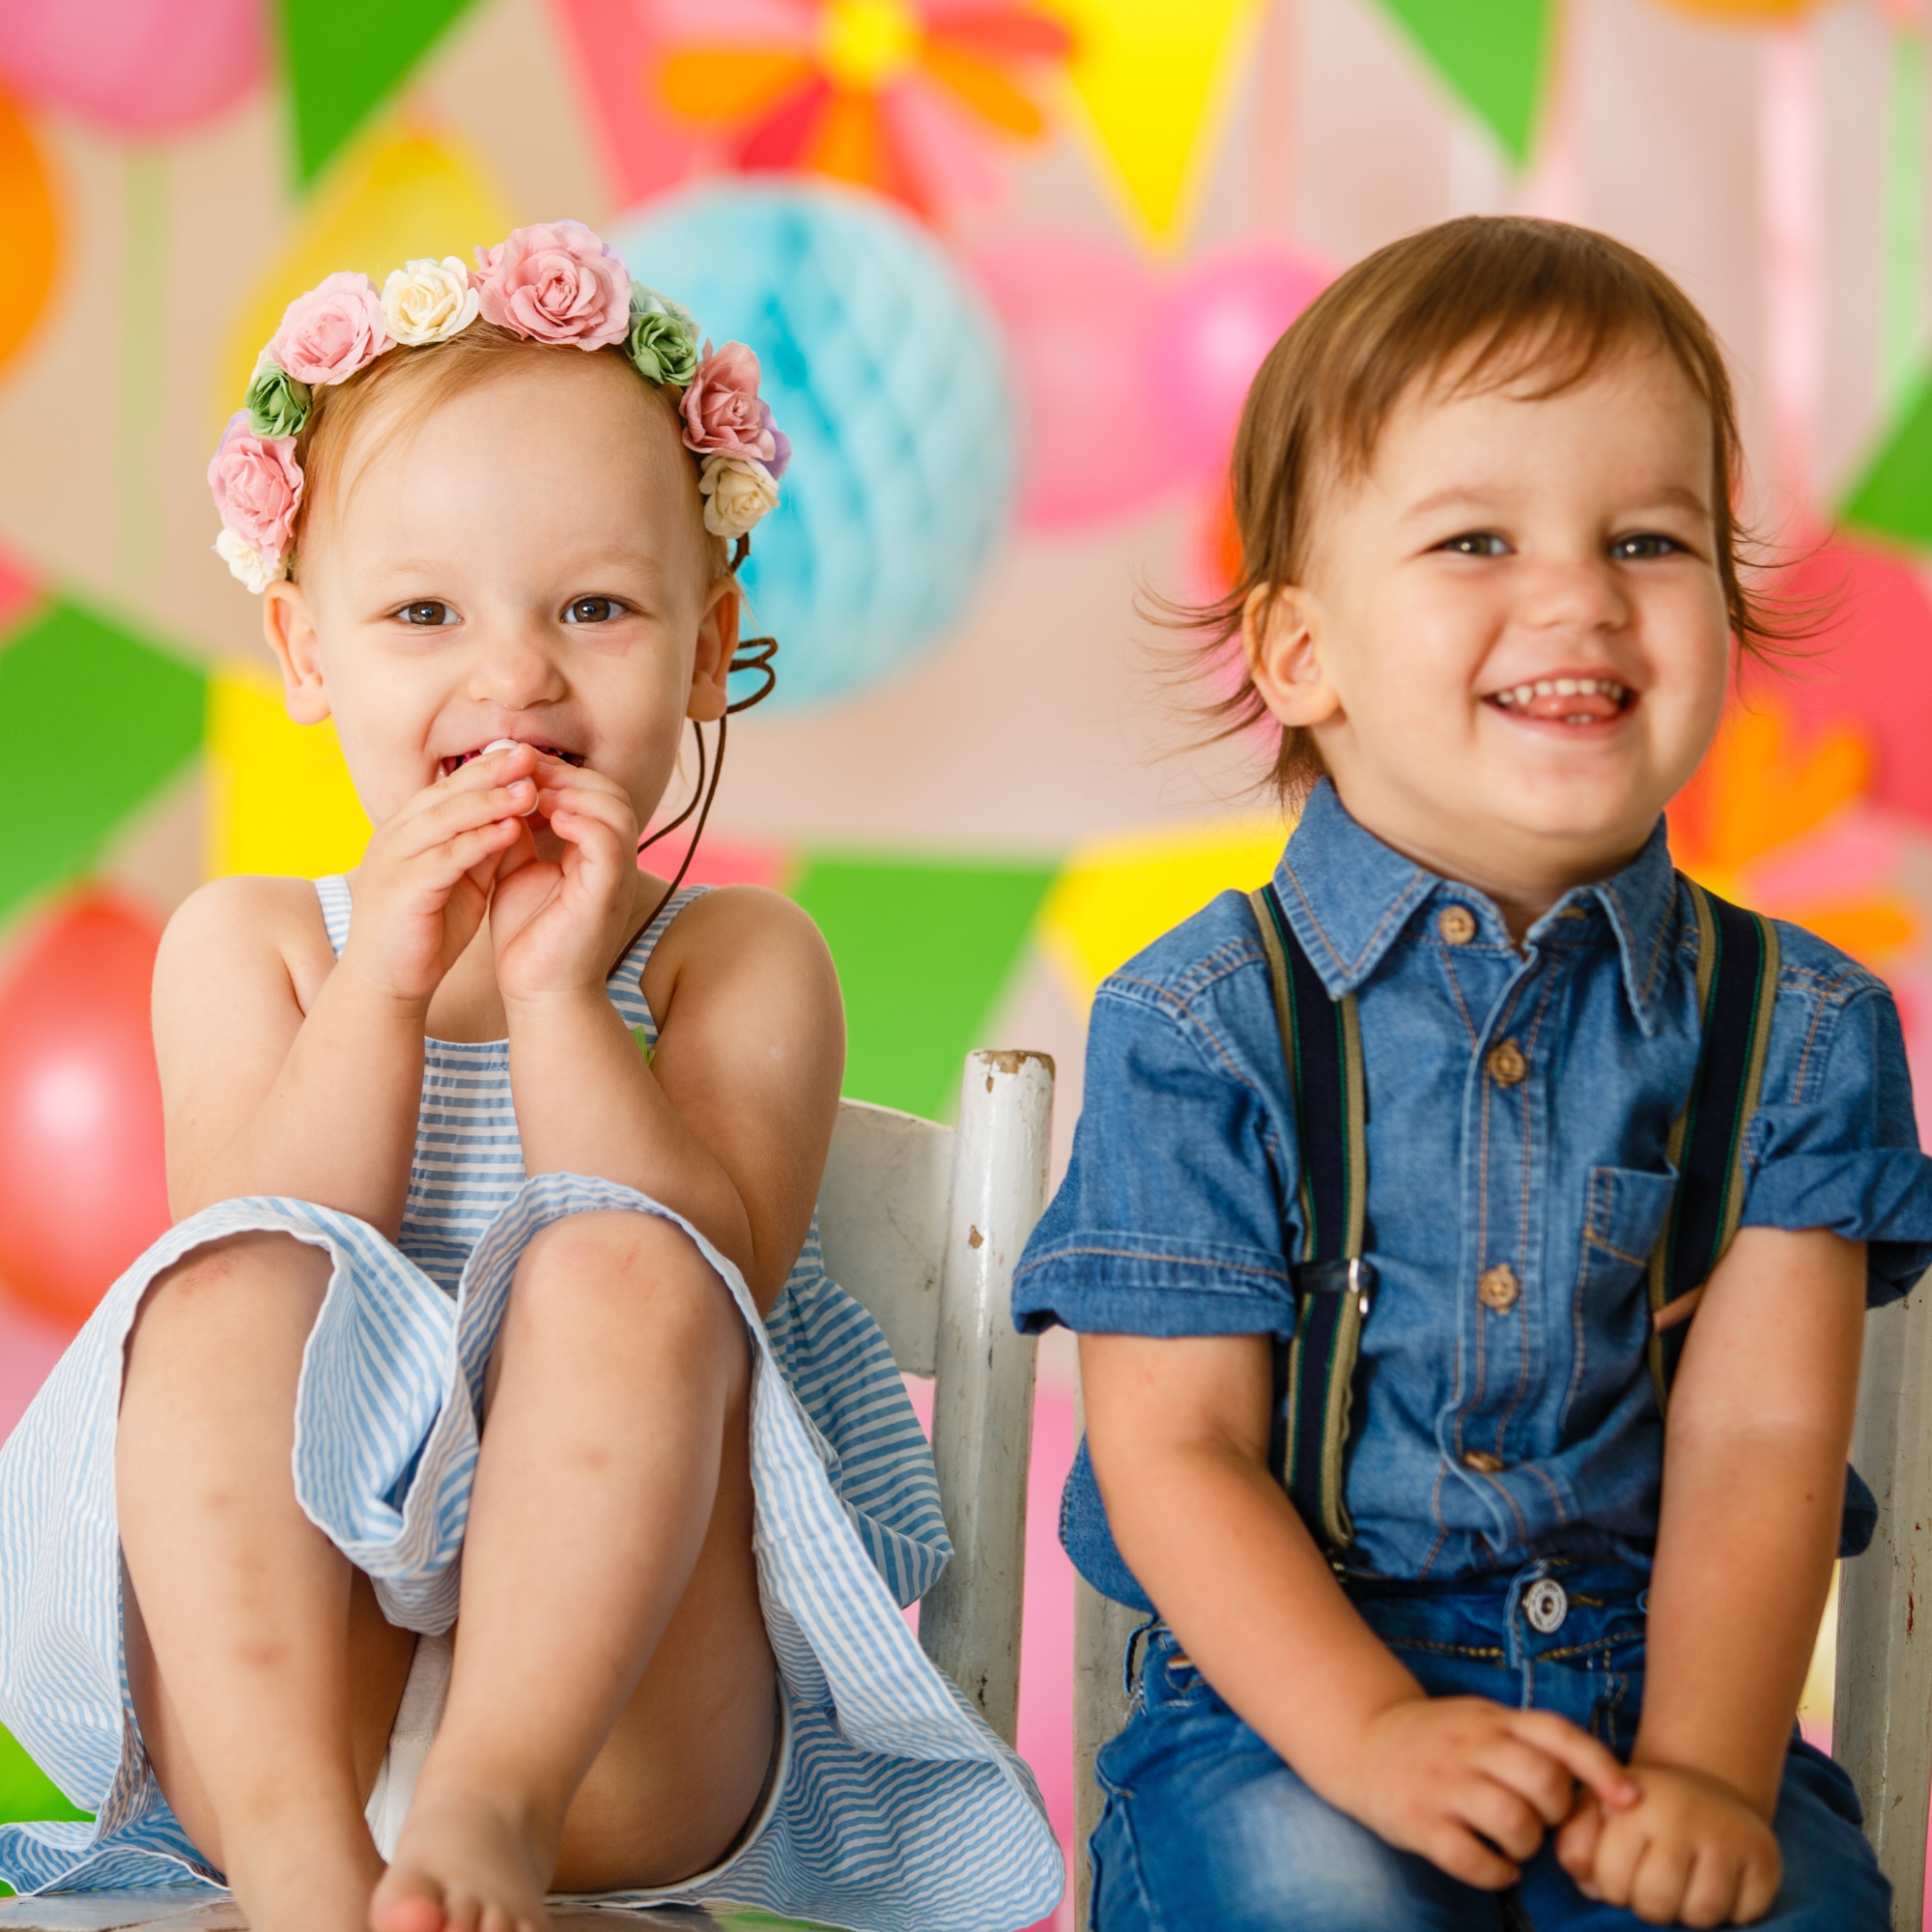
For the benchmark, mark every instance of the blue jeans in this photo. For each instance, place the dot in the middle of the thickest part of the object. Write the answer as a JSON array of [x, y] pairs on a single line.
[[1206, 1827]]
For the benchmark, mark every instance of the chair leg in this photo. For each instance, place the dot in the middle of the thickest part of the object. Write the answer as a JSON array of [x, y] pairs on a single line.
[[1882, 1704]]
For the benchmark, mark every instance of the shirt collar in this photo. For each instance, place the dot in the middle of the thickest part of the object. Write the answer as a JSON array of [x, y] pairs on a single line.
[[1348, 896]]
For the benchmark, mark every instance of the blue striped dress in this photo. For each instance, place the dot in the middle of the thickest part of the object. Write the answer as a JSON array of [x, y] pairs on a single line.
[[899, 1809]]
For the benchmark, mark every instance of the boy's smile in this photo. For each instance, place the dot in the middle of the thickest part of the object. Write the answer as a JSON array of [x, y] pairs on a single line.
[[1510, 639]]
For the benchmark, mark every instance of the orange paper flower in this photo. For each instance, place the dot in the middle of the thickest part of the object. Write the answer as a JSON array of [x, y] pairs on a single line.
[[885, 93]]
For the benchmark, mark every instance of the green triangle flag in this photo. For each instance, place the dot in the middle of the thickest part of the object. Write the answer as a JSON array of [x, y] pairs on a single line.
[[1893, 496], [924, 951], [1493, 53], [101, 719], [345, 57]]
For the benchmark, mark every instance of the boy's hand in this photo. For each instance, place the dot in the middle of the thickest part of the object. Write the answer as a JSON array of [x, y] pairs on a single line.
[[424, 882], [557, 927], [1440, 1776], [1689, 1852]]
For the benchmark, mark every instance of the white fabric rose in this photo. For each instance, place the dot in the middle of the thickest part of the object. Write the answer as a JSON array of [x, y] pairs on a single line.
[[429, 301], [254, 569], [738, 494]]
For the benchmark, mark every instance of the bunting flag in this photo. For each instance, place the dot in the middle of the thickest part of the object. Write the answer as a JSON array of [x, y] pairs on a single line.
[[396, 199], [32, 236], [280, 798], [100, 720], [1156, 81], [924, 951], [1893, 498], [1493, 54], [1117, 895], [345, 58]]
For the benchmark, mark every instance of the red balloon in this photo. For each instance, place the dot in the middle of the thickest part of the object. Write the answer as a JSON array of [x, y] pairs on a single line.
[[133, 67], [83, 1185]]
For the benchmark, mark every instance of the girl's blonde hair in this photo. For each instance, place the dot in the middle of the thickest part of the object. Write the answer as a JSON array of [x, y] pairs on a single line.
[[1490, 300]]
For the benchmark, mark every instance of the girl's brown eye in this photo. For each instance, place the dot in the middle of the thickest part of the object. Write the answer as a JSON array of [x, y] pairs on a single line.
[[592, 610], [427, 611]]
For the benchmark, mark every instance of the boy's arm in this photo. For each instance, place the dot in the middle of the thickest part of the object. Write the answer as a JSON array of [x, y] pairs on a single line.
[[1759, 1424], [1178, 1430]]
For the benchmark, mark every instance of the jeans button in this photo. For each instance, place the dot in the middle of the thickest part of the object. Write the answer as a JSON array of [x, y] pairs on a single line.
[[1545, 1603]]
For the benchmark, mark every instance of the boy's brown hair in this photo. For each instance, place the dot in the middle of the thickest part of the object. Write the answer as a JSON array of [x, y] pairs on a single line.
[[1497, 298]]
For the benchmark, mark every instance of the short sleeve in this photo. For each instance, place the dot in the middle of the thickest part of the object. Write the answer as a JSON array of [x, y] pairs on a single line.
[[1835, 1142], [1170, 1219]]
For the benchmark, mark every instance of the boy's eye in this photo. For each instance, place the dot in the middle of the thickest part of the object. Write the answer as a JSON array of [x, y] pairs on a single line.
[[427, 610], [1646, 542], [592, 610], [1476, 543]]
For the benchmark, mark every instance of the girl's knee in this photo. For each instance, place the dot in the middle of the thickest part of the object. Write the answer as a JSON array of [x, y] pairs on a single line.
[[638, 1267], [259, 1277]]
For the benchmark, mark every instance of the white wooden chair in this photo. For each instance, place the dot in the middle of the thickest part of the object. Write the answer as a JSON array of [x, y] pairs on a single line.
[[922, 1225], [1882, 1700]]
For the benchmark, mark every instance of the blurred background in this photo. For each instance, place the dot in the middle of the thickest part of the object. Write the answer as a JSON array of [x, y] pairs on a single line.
[[1009, 265]]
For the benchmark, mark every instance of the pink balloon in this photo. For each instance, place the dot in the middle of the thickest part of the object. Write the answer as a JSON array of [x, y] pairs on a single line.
[[1212, 334], [133, 68], [1079, 316]]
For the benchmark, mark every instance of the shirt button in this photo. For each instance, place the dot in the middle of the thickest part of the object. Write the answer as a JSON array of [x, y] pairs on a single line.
[[1457, 923], [1506, 1064], [1483, 1462], [1497, 1288]]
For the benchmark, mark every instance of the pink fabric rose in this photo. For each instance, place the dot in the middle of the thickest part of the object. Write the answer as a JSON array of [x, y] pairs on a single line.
[[257, 486], [556, 282], [335, 329], [722, 416]]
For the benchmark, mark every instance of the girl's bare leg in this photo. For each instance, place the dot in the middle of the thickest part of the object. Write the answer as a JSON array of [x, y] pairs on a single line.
[[265, 1678], [610, 1530]]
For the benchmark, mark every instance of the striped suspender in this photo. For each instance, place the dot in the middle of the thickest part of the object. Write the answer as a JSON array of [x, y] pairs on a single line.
[[1335, 1283], [1737, 987]]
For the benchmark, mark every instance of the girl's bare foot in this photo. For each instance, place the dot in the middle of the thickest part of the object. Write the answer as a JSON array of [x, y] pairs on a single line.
[[463, 1863], [293, 1875]]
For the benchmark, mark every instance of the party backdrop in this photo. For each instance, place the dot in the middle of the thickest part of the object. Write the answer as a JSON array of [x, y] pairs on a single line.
[[1009, 265]]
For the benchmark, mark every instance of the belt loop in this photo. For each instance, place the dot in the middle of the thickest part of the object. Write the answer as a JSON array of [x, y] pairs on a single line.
[[1127, 1656]]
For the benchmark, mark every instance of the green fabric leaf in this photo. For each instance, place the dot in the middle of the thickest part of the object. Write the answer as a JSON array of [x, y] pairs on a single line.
[[27, 1794], [924, 952], [99, 719], [346, 57], [1893, 498], [1494, 55]]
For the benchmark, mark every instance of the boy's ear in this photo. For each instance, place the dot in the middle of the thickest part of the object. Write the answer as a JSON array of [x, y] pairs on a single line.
[[717, 643], [1281, 640], [290, 630]]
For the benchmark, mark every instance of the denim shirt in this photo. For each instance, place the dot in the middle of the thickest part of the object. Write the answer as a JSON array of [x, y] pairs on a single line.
[[1485, 1431]]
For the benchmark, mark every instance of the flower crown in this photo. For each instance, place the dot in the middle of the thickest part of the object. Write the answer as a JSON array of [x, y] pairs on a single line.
[[553, 282]]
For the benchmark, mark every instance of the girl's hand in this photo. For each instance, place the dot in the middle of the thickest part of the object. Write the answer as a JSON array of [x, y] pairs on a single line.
[[556, 928], [1440, 1776], [425, 880], [1689, 1852]]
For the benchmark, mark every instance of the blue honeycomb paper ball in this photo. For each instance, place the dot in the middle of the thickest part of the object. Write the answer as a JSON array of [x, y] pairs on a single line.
[[885, 369]]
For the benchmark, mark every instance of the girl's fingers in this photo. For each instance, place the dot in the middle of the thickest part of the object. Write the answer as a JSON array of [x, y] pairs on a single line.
[[1502, 1816], [460, 811], [1576, 1841], [605, 808], [1711, 1888], [469, 850], [1757, 1890], [1657, 1886], [1587, 1761]]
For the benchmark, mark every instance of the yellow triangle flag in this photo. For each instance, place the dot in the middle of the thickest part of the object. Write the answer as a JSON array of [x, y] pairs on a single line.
[[397, 197], [280, 796], [1156, 81], [1118, 895]]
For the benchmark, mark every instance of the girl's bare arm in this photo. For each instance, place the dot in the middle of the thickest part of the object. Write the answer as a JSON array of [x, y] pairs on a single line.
[[1760, 1421], [280, 1075], [730, 1121]]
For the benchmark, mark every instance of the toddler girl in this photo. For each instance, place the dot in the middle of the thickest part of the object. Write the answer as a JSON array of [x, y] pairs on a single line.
[[1483, 1578], [483, 1479]]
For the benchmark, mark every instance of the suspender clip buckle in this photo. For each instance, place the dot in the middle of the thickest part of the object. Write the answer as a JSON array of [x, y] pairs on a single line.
[[1355, 1276]]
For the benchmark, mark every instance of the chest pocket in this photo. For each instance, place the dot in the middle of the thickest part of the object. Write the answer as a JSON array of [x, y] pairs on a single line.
[[1623, 1217]]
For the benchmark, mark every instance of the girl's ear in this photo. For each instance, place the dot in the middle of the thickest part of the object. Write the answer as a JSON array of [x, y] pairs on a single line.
[[290, 630], [1281, 640], [716, 645]]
